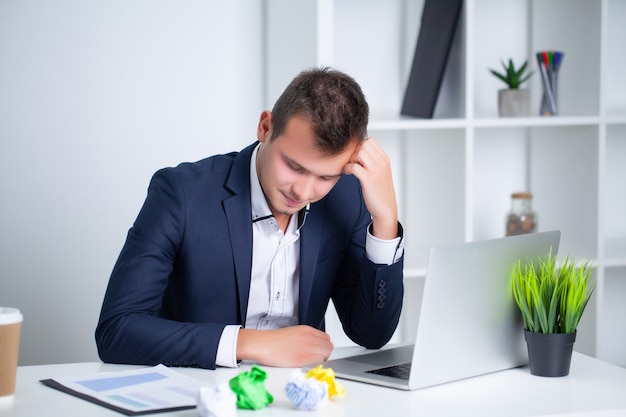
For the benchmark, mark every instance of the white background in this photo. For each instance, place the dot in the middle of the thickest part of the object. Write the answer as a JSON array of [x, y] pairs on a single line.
[[94, 97]]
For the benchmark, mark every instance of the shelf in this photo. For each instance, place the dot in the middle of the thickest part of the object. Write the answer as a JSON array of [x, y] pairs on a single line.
[[401, 123], [615, 252], [614, 60], [617, 119], [537, 121], [454, 173], [613, 312], [614, 207]]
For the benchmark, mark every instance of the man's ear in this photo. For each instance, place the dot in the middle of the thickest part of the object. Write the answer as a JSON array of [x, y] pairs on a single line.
[[264, 130]]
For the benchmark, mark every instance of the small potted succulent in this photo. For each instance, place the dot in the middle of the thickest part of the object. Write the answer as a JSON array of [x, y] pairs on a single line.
[[551, 299], [513, 101]]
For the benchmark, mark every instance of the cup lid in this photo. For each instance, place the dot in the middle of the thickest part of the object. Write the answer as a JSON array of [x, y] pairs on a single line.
[[9, 315]]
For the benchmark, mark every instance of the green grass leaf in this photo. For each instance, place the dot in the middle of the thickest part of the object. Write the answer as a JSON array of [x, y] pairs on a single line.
[[551, 298]]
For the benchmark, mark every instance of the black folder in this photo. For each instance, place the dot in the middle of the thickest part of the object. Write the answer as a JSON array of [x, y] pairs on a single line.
[[439, 22]]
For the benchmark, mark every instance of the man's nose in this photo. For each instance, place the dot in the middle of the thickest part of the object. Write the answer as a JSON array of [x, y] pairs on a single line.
[[305, 188]]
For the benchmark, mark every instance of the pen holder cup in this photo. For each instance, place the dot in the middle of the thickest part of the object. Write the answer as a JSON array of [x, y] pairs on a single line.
[[549, 64], [549, 107]]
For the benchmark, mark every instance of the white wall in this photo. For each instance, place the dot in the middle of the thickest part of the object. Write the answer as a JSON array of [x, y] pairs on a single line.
[[94, 97]]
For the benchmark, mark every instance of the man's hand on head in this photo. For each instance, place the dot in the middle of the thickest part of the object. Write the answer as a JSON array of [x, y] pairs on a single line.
[[372, 166]]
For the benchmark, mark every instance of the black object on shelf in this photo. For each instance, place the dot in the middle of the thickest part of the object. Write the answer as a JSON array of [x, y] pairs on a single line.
[[439, 22]]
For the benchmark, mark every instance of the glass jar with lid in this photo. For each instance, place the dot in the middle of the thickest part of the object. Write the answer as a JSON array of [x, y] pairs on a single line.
[[521, 219]]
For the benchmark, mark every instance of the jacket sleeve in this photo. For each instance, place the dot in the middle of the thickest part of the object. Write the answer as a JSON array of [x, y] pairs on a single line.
[[368, 297], [131, 328]]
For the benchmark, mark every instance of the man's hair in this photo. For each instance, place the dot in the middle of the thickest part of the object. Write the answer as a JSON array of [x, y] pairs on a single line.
[[332, 101]]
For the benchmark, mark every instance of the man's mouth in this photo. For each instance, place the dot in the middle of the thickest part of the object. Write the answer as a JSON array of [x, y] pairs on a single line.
[[292, 202]]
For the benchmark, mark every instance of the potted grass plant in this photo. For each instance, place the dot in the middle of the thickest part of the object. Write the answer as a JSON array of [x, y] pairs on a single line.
[[513, 101], [551, 299]]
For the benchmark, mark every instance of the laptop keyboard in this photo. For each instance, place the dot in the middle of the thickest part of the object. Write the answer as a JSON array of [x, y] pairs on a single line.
[[401, 371]]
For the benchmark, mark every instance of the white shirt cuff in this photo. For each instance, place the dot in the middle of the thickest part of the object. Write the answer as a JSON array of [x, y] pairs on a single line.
[[381, 251], [227, 348]]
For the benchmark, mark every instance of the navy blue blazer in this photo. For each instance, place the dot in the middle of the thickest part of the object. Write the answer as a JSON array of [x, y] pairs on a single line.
[[184, 271]]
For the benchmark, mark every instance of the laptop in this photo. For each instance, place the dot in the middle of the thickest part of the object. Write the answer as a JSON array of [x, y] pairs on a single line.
[[469, 324]]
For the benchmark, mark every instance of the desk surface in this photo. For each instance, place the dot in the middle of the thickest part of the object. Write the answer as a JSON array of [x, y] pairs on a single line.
[[593, 388]]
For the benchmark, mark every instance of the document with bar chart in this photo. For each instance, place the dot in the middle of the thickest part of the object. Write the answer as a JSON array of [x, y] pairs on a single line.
[[134, 392]]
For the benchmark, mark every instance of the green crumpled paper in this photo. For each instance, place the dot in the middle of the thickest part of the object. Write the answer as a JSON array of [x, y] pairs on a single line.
[[250, 389]]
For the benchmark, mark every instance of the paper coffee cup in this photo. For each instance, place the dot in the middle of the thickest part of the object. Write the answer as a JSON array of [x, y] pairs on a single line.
[[10, 325]]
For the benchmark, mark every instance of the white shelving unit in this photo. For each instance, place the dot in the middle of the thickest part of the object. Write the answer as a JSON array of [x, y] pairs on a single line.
[[454, 173]]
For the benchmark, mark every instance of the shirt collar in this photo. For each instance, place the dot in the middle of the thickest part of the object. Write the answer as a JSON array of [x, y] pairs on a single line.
[[260, 208]]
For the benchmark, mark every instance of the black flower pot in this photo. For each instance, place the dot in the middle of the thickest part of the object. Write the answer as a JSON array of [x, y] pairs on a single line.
[[549, 354]]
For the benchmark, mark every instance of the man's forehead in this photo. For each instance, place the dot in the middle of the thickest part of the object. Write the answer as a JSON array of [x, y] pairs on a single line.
[[322, 165]]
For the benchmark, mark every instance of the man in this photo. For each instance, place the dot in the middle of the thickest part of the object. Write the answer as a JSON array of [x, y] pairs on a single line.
[[236, 257]]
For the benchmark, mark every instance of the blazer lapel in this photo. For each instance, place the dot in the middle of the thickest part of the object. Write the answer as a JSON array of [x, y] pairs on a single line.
[[239, 217], [310, 238]]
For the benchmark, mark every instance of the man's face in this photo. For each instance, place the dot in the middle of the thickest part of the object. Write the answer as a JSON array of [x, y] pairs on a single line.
[[292, 172]]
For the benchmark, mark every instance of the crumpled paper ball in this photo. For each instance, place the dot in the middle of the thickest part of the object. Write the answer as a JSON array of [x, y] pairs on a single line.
[[249, 387], [327, 375], [306, 393], [218, 401]]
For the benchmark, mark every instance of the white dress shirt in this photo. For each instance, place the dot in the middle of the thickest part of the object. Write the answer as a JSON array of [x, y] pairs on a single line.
[[273, 299]]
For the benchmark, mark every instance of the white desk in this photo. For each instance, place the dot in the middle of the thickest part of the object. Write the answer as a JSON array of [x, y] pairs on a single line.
[[593, 388]]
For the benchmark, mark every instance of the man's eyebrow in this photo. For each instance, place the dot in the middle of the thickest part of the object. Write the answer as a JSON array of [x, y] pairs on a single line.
[[293, 163], [296, 165]]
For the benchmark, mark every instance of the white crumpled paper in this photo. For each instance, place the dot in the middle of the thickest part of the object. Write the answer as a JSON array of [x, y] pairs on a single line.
[[218, 401]]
